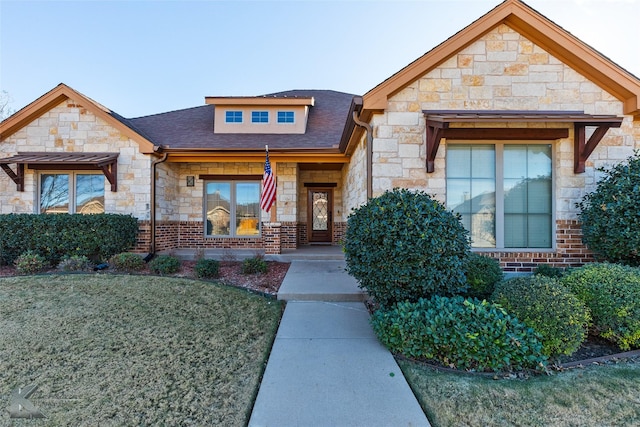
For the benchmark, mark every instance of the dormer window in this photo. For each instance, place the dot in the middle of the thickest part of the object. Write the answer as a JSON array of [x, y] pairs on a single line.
[[259, 117], [269, 114], [285, 117], [233, 117]]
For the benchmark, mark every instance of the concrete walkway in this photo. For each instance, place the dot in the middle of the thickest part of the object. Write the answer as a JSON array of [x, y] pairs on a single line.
[[327, 367]]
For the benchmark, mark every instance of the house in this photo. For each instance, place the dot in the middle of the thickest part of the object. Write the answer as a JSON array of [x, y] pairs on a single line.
[[506, 122]]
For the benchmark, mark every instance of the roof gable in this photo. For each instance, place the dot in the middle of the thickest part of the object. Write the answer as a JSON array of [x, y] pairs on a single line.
[[61, 93], [538, 29]]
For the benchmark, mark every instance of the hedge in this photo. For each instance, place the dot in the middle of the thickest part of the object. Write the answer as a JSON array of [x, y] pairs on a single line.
[[97, 237]]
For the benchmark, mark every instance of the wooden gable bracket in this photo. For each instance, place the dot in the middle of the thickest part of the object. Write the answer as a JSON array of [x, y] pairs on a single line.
[[435, 132], [17, 177], [110, 171], [583, 149]]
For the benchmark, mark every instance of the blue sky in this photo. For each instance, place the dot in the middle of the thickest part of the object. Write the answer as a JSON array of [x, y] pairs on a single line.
[[146, 57]]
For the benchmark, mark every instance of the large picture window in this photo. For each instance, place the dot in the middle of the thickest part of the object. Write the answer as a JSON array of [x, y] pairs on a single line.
[[232, 208], [503, 193], [71, 193]]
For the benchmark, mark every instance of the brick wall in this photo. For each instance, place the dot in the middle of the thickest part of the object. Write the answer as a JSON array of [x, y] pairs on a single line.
[[570, 251], [289, 235]]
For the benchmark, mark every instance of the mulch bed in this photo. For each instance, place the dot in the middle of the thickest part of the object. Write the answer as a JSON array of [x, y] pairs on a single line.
[[230, 274]]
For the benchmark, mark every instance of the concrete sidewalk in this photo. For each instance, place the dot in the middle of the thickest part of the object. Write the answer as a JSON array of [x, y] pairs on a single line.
[[327, 367]]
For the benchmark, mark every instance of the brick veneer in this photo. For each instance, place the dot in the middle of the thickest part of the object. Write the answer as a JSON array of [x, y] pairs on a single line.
[[570, 251]]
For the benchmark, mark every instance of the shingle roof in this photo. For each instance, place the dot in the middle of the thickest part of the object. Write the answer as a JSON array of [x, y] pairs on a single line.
[[192, 128]]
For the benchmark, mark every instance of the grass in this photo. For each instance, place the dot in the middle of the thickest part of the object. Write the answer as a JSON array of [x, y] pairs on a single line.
[[605, 395], [133, 350]]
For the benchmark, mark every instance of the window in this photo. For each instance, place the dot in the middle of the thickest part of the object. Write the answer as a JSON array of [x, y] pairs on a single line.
[[503, 192], [232, 208], [259, 117], [71, 193], [285, 116], [233, 116]]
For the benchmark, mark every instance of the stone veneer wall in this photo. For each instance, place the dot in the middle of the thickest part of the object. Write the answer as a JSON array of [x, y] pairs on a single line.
[[69, 127], [355, 178], [181, 208], [500, 71]]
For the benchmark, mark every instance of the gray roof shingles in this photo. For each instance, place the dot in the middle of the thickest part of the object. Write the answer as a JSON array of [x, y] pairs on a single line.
[[192, 128]]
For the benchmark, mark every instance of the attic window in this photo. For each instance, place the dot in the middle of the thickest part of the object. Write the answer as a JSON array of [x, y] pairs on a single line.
[[259, 117], [286, 116], [233, 117]]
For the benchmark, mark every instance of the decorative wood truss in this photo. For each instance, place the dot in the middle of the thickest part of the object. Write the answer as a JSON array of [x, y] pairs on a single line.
[[105, 162], [438, 127]]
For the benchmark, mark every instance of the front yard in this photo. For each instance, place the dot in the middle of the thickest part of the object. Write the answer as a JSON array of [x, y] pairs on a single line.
[[604, 395], [133, 350]]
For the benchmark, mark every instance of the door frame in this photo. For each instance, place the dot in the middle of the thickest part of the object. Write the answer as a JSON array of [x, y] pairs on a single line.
[[329, 190]]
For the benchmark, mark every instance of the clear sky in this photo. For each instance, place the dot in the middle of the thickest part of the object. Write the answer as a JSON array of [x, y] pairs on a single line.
[[146, 57]]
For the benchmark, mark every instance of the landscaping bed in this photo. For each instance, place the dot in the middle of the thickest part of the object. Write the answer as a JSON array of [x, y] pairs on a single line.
[[230, 274], [107, 349]]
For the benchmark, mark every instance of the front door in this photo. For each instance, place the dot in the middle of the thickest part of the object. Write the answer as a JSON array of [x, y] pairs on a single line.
[[320, 215]]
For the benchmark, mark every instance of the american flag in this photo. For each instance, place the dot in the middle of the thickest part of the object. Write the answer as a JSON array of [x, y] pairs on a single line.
[[268, 187]]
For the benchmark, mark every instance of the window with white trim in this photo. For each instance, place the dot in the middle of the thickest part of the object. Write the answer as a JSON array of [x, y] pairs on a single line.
[[259, 117], [232, 208], [71, 192], [233, 116], [286, 117], [503, 193]]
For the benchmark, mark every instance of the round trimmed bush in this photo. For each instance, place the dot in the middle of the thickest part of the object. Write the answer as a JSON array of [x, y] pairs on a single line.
[[207, 268], [164, 264], [404, 245], [549, 308], [460, 333], [482, 274], [612, 293], [609, 215], [127, 262]]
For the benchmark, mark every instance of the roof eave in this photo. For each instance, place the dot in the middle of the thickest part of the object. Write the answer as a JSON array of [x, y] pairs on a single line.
[[537, 28], [59, 94]]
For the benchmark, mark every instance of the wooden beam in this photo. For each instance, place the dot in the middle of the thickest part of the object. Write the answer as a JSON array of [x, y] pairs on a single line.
[[582, 149], [110, 171], [502, 134], [434, 135], [17, 177]]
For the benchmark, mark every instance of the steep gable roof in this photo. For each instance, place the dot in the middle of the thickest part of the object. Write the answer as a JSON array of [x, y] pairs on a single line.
[[61, 93], [537, 28]]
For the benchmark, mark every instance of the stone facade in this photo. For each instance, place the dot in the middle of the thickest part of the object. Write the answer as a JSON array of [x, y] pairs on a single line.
[[502, 70], [71, 128]]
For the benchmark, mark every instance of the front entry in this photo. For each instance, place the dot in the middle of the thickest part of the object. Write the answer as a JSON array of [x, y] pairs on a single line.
[[320, 215]]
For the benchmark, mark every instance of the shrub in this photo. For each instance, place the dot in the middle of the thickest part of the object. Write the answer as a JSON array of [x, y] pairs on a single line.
[[30, 262], [254, 265], [127, 262], [461, 333], [404, 245], [75, 263], [207, 268], [548, 271], [482, 274], [164, 264], [549, 308], [612, 293], [609, 215], [53, 236]]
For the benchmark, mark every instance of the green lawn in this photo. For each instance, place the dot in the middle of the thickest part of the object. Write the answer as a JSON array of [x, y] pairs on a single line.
[[133, 350], [607, 395]]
